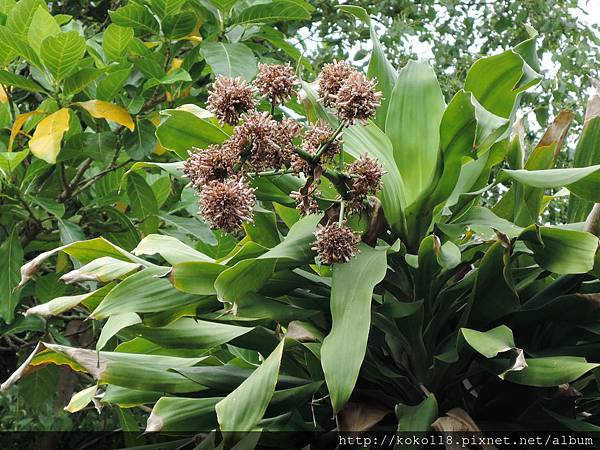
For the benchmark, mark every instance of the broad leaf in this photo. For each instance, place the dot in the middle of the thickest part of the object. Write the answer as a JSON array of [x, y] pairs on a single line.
[[232, 60], [46, 140]]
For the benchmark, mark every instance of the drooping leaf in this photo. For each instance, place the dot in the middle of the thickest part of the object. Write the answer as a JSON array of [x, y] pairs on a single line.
[[351, 291]]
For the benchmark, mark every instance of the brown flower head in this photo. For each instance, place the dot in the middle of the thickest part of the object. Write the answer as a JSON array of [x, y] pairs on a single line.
[[365, 175], [357, 99], [331, 78], [276, 82], [258, 139], [305, 203], [227, 204], [335, 243], [213, 163], [230, 98]]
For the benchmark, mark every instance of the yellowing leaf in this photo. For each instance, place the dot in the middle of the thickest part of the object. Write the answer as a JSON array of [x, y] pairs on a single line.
[[3, 96], [45, 143], [103, 110], [17, 125]]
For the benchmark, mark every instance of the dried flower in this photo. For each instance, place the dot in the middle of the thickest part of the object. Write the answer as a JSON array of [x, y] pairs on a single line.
[[227, 204], [335, 243], [357, 100], [258, 138], [331, 78], [230, 98], [305, 202], [213, 163], [365, 175], [276, 82]]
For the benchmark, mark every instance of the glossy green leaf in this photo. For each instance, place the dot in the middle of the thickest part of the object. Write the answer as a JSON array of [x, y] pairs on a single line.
[[359, 140], [143, 203], [275, 11], [18, 81], [417, 418], [144, 292], [80, 80], [550, 371], [171, 249], [351, 291], [116, 39], [135, 16], [232, 60], [413, 124], [62, 52], [179, 25], [181, 130], [489, 343], [197, 277], [11, 253], [561, 251], [42, 26], [190, 333], [113, 325], [243, 408]]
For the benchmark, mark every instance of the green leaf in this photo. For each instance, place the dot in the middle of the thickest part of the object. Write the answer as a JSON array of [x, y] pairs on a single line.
[[359, 140], [232, 60], [496, 81], [12, 79], [143, 292], [181, 130], [111, 85], [467, 130], [9, 161], [197, 277], [171, 249], [243, 408], [417, 418], [413, 124], [11, 254], [60, 305], [80, 80], [81, 399], [179, 25], [142, 201], [42, 26], [62, 52], [183, 414], [561, 251], [494, 295], [379, 66], [190, 333], [550, 371], [113, 325], [490, 343], [189, 226], [21, 15], [135, 16], [351, 291], [165, 8], [103, 270], [116, 39], [275, 11]]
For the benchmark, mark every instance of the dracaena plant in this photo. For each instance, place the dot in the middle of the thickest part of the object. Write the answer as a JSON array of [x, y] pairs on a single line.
[[353, 278]]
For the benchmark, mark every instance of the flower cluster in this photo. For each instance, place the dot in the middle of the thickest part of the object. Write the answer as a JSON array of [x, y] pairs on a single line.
[[263, 144]]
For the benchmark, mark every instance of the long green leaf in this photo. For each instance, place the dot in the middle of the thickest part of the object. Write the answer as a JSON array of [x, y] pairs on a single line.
[[351, 291]]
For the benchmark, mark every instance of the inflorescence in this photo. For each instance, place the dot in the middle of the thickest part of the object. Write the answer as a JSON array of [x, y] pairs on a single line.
[[262, 145]]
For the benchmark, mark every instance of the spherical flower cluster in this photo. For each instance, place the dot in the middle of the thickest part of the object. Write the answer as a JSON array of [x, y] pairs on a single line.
[[335, 243], [213, 163], [305, 202], [349, 92], [227, 204], [230, 98], [331, 79], [357, 99], [365, 179], [276, 82], [257, 139]]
